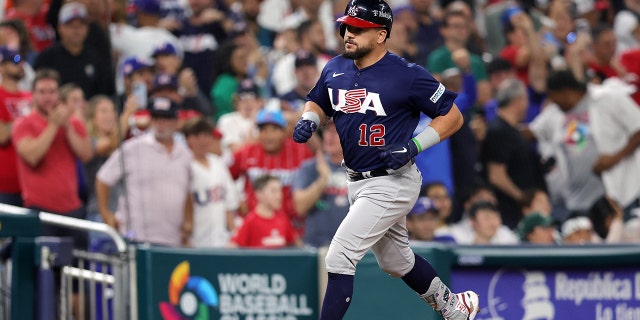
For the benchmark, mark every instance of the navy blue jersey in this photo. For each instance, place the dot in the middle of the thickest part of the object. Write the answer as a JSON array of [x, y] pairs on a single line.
[[378, 105]]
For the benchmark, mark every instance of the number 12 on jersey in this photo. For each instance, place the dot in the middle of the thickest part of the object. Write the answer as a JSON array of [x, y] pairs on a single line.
[[371, 135]]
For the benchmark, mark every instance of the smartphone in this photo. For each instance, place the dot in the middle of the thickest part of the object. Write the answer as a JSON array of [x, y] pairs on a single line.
[[139, 91]]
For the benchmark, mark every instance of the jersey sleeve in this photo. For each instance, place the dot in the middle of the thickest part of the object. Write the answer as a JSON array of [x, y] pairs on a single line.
[[430, 96], [320, 94]]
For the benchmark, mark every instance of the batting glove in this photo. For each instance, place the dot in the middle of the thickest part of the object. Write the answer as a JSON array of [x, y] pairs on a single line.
[[304, 130], [397, 155]]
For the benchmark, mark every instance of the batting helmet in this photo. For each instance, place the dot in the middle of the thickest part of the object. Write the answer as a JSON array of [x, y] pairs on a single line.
[[366, 14]]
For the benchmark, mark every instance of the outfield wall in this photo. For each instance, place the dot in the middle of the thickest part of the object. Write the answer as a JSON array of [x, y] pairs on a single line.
[[594, 282]]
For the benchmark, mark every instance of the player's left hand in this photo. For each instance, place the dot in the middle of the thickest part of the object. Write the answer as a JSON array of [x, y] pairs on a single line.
[[397, 155]]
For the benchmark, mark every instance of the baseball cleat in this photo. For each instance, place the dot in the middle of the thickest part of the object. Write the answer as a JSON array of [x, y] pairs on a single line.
[[465, 307]]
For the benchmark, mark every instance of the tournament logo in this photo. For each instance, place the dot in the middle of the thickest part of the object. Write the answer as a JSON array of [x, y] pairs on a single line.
[[190, 297]]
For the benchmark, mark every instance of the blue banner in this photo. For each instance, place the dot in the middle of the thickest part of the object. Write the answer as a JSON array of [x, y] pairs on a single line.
[[561, 294]]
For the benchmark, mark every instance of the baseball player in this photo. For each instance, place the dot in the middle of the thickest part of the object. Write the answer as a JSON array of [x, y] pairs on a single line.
[[375, 99]]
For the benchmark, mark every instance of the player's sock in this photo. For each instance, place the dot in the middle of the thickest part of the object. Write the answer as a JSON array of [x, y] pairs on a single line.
[[337, 298], [420, 277]]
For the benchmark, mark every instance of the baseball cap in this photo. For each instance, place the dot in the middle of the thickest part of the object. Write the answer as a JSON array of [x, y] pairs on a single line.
[[422, 206], [8, 54], [531, 221], [147, 6], [164, 81], [304, 58], [270, 117], [247, 87], [163, 108], [72, 10], [133, 64], [574, 224], [166, 48]]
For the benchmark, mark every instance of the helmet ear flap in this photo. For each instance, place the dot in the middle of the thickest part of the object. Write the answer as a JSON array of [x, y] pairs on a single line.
[[343, 29]]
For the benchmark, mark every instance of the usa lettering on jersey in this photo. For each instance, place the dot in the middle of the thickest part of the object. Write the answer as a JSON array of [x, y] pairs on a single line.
[[357, 100]]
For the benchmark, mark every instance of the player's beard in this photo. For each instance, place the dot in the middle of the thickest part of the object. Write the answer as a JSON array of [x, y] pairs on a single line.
[[359, 53]]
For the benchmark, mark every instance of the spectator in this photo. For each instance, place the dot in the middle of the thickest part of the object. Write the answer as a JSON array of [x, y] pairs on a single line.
[[138, 71], [306, 75], [526, 55], [233, 61], [169, 86], [266, 226], [602, 64], [577, 229], [34, 15], [201, 34], [626, 27], [141, 40], [536, 229], [215, 198], [438, 193], [509, 163], [14, 103], [486, 223], [76, 62], [239, 127], [463, 231], [320, 190], [275, 153], [72, 95], [15, 36], [311, 39], [599, 139], [48, 140], [427, 32], [535, 200], [455, 31], [422, 222], [156, 170], [105, 133]]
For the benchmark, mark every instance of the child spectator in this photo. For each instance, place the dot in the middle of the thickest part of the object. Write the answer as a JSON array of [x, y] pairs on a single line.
[[215, 198], [266, 226]]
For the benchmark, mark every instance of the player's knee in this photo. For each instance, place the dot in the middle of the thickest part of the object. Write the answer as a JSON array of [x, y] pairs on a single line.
[[396, 269], [338, 261]]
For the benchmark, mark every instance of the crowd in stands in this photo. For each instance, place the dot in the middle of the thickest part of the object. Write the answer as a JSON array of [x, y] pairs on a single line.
[[171, 120]]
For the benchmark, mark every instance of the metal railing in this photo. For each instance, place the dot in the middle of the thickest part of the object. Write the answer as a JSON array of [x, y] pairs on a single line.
[[105, 282]]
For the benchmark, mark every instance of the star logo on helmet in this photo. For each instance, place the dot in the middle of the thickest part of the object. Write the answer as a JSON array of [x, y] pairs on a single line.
[[353, 11]]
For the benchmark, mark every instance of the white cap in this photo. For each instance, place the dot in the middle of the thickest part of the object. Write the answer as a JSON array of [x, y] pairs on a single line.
[[574, 224], [72, 10]]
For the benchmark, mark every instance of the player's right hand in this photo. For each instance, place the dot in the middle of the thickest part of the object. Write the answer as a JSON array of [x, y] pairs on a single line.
[[304, 130]]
